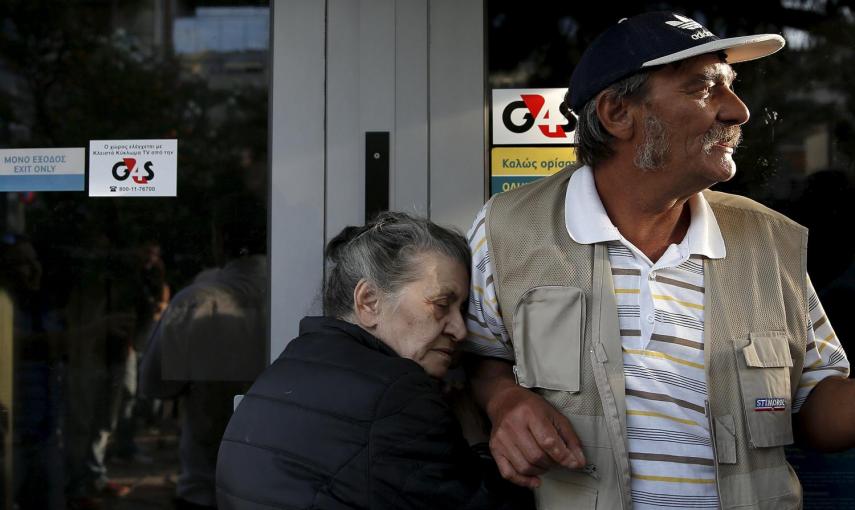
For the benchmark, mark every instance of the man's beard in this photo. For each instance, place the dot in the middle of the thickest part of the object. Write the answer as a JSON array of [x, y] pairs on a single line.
[[652, 154], [653, 151]]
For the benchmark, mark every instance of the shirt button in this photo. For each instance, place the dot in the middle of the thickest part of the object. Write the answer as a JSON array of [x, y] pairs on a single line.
[[650, 319]]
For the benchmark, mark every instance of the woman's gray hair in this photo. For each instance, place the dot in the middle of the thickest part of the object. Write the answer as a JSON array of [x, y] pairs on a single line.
[[594, 143], [384, 252]]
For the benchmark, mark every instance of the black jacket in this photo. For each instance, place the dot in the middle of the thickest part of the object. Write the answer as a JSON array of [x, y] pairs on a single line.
[[341, 421]]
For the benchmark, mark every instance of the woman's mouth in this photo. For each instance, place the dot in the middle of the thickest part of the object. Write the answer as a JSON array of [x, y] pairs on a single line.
[[446, 351]]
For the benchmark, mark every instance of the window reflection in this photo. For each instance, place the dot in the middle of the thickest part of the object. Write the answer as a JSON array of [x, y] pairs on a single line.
[[85, 281]]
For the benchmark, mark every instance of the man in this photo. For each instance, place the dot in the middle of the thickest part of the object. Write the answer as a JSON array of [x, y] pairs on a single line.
[[665, 338], [210, 345]]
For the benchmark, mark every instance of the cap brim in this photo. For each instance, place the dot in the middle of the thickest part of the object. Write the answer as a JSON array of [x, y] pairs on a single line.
[[738, 49]]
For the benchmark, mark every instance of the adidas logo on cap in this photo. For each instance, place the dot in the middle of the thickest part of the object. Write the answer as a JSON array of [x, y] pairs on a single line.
[[684, 23], [690, 24]]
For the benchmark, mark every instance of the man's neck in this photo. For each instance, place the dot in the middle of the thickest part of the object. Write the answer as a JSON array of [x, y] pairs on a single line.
[[644, 210]]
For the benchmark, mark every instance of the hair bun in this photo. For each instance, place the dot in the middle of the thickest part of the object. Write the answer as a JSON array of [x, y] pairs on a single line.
[[335, 245]]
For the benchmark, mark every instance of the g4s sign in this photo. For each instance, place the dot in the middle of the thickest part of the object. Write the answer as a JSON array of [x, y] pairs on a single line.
[[531, 116], [127, 167]]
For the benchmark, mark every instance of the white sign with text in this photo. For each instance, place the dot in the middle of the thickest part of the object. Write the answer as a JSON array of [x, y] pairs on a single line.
[[43, 169], [133, 168]]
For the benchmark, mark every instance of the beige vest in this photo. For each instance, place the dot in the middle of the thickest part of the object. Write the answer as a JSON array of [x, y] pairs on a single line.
[[558, 305]]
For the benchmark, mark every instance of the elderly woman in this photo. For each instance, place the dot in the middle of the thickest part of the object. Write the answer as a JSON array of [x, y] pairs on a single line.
[[352, 415]]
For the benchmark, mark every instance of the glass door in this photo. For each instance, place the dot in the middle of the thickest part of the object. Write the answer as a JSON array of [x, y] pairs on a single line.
[[128, 322]]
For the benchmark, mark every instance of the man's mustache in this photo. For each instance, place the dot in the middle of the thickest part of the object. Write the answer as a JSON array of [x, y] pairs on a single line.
[[722, 134]]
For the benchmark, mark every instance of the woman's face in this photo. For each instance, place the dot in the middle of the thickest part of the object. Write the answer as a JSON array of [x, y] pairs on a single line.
[[424, 320]]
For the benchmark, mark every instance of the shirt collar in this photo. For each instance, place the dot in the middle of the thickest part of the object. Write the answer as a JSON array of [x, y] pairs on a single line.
[[588, 223]]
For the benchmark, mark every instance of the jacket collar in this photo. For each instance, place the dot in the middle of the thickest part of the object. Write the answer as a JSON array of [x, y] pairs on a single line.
[[333, 325]]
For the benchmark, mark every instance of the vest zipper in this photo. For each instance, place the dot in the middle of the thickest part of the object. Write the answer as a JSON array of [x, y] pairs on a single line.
[[714, 449]]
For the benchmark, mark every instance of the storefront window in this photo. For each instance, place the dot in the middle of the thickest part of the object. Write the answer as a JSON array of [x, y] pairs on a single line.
[[90, 417]]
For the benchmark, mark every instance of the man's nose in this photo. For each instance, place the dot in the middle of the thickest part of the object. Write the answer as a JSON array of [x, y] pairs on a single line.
[[733, 111]]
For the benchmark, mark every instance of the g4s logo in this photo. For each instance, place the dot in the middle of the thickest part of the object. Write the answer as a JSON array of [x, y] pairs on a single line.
[[551, 127], [128, 168]]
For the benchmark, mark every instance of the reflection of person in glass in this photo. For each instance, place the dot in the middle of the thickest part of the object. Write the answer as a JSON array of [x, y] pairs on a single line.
[[100, 320], [646, 342], [38, 380], [351, 415], [150, 297], [210, 344]]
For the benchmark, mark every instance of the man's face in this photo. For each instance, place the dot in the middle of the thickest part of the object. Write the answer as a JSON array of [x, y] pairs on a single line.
[[691, 119]]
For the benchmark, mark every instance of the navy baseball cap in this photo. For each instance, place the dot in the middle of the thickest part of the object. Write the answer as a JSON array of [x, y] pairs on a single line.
[[653, 39]]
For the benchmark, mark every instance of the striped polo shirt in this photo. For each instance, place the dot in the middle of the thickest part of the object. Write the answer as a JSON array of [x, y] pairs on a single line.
[[661, 316]]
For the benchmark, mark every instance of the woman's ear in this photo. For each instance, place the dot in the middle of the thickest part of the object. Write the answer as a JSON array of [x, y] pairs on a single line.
[[616, 115], [366, 304]]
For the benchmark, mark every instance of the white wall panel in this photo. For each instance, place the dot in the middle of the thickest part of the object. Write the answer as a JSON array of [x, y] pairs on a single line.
[[456, 111], [345, 191], [296, 222], [409, 182]]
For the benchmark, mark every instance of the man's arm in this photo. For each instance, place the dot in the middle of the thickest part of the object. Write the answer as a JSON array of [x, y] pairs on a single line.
[[529, 436], [825, 402], [826, 420]]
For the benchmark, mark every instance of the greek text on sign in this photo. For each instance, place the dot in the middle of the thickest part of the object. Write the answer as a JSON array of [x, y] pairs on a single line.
[[532, 117], [43, 169], [511, 167], [133, 168]]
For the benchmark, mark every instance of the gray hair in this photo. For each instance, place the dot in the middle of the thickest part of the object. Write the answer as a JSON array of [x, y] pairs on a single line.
[[384, 252], [594, 143]]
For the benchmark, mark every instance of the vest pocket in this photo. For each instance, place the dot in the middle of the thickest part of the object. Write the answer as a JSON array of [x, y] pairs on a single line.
[[561, 495], [548, 328], [764, 380], [725, 439]]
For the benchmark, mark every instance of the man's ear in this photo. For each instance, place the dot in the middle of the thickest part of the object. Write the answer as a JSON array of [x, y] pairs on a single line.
[[366, 304], [616, 115]]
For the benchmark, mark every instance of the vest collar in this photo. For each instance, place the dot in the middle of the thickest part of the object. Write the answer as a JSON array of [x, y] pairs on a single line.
[[588, 223]]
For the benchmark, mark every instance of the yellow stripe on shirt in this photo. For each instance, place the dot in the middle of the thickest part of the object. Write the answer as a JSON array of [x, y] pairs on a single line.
[[684, 303], [674, 479], [484, 298], [662, 355], [654, 414], [825, 342], [809, 384]]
